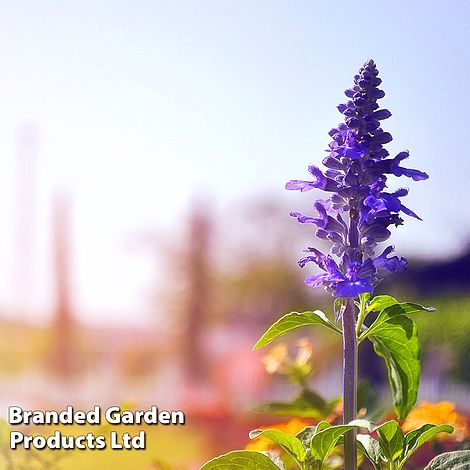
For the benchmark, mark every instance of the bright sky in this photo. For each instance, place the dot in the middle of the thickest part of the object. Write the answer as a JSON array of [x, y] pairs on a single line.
[[141, 104]]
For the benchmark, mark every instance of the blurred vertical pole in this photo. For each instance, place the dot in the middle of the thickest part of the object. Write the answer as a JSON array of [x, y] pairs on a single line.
[[63, 331], [26, 175], [198, 274]]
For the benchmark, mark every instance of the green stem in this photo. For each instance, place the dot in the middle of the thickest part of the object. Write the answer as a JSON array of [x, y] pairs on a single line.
[[349, 383], [362, 315]]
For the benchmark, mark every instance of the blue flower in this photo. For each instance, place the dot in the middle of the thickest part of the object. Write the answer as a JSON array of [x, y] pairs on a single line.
[[359, 211], [358, 278], [392, 264], [320, 182]]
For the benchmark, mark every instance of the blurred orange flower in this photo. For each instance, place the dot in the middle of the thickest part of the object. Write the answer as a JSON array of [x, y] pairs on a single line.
[[291, 427], [443, 412], [276, 359]]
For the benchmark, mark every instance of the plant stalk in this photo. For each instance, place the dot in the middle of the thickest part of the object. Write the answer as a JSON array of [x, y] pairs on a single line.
[[361, 315], [349, 383]]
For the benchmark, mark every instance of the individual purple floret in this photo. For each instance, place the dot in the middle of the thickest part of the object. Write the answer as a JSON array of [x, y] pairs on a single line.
[[359, 211]]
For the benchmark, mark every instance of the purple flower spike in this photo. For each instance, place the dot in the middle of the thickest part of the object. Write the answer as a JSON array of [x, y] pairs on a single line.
[[356, 175]]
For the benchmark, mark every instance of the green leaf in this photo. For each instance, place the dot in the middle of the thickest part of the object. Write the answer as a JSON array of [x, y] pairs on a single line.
[[305, 436], [324, 441], [294, 320], [322, 425], [308, 432], [288, 442], [371, 449], [416, 438], [242, 460], [459, 460], [381, 302], [390, 440], [307, 404], [391, 311], [396, 340]]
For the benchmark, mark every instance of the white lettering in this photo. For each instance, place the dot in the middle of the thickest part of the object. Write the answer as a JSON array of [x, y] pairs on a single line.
[[15, 438]]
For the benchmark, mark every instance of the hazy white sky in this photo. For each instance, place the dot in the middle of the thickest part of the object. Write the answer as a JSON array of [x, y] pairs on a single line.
[[141, 104]]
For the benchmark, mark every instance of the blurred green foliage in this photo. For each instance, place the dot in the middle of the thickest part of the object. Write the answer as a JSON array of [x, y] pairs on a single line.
[[448, 329]]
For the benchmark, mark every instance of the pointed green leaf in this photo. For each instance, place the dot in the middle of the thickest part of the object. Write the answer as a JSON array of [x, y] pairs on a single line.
[[381, 302], [391, 440], [321, 426], [324, 441], [294, 320], [391, 310], [371, 449], [241, 460], [288, 442], [416, 438], [459, 460], [396, 340]]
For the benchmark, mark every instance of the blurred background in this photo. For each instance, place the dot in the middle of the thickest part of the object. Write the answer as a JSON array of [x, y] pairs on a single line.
[[145, 242]]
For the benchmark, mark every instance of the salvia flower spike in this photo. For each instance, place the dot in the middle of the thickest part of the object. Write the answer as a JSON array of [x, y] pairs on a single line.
[[359, 211]]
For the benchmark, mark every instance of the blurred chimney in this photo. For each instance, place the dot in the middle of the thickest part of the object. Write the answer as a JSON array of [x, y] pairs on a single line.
[[64, 357], [198, 273]]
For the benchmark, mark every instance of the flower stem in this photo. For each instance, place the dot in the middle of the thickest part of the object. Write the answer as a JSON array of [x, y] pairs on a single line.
[[362, 315], [349, 383]]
